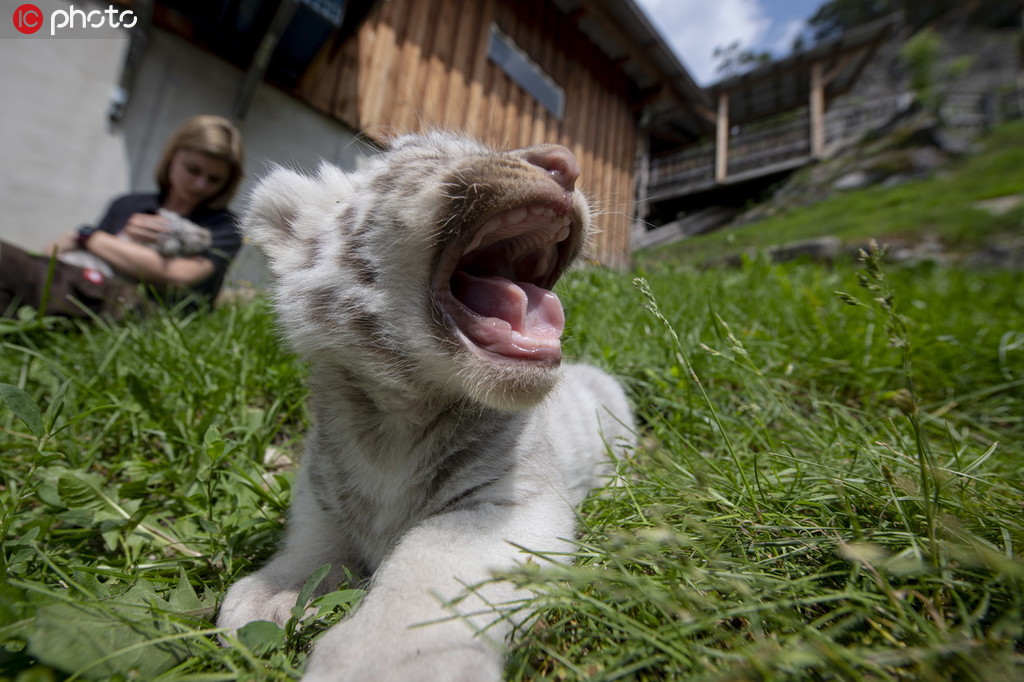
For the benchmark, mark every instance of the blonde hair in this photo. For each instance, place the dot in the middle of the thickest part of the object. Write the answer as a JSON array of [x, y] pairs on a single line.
[[211, 135]]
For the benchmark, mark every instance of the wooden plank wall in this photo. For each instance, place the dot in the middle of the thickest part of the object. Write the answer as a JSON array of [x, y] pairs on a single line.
[[420, 64]]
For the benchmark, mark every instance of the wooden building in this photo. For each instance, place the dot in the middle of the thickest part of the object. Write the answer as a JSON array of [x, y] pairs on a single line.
[[582, 73], [763, 125]]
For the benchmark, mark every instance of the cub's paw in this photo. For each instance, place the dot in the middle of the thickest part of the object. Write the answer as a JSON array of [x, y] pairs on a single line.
[[357, 650], [251, 598], [429, 668]]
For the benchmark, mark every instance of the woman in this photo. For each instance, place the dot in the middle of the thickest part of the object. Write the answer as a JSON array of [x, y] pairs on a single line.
[[98, 268]]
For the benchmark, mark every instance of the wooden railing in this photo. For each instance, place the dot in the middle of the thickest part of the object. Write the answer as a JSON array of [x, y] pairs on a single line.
[[757, 147], [767, 146], [691, 166]]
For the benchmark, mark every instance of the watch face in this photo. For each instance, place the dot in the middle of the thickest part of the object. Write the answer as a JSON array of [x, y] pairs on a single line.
[[83, 235]]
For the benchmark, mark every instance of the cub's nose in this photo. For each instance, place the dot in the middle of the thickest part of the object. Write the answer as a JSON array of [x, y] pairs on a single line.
[[559, 162]]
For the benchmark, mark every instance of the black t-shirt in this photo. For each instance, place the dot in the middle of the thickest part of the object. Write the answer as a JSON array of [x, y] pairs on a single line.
[[220, 222]]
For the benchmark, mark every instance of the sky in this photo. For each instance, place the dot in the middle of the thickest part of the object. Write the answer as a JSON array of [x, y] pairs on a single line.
[[694, 28]]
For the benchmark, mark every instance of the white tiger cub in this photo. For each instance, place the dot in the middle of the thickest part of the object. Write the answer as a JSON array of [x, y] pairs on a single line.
[[445, 436]]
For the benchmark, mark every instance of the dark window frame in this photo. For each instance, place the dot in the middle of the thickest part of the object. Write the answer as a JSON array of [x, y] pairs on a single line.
[[526, 73]]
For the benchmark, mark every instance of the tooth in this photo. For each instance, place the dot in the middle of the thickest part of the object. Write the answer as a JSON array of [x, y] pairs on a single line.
[[477, 239], [516, 215], [543, 263]]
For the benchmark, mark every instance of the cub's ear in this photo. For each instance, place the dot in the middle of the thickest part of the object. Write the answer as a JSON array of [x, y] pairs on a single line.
[[287, 210], [271, 221]]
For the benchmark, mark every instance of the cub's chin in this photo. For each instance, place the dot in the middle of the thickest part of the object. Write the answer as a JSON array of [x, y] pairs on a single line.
[[507, 387]]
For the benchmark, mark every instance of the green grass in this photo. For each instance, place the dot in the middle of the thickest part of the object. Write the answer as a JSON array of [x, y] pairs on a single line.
[[941, 206], [794, 512], [799, 512]]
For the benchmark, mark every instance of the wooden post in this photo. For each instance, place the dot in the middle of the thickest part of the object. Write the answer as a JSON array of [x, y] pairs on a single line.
[[722, 138], [643, 178], [817, 105], [260, 61]]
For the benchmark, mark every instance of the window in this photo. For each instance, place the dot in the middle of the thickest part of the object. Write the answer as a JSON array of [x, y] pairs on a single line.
[[520, 68]]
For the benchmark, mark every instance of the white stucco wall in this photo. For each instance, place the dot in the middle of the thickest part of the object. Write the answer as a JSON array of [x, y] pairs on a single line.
[[61, 162]]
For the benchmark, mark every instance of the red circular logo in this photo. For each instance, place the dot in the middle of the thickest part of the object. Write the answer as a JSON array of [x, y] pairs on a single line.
[[28, 19], [94, 276]]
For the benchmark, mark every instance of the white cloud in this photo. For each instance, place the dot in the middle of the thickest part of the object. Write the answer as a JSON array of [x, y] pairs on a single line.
[[785, 35], [694, 28]]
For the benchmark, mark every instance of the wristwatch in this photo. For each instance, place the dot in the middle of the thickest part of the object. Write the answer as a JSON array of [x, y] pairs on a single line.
[[84, 232]]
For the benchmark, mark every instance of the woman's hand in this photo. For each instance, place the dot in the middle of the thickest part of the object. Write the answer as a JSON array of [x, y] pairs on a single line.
[[144, 263], [62, 244], [146, 228]]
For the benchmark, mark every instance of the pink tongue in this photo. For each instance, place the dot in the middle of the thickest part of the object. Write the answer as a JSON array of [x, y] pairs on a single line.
[[516, 319]]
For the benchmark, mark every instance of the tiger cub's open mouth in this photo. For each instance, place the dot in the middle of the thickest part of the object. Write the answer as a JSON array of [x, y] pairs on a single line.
[[495, 286]]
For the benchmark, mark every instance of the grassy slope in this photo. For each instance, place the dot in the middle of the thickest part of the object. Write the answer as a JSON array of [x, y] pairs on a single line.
[[794, 512], [941, 206]]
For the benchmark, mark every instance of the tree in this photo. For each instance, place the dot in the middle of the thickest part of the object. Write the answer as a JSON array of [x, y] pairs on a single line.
[[921, 53], [732, 60], [836, 16]]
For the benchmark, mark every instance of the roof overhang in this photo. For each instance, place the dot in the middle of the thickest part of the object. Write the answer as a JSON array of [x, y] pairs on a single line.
[[624, 34]]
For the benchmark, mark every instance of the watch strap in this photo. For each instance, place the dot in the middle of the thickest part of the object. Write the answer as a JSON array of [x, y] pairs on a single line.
[[83, 235]]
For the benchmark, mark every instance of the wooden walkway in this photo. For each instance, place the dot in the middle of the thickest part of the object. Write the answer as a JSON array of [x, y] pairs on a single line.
[[764, 149]]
